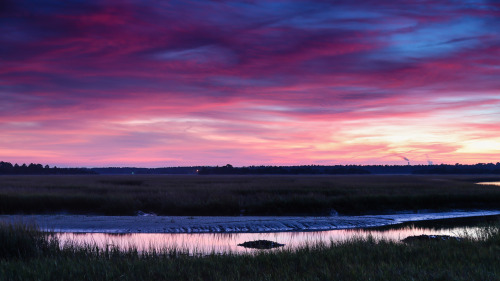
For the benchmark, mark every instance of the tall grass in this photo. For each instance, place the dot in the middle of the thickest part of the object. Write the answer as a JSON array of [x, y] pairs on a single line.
[[235, 195], [21, 241], [358, 259]]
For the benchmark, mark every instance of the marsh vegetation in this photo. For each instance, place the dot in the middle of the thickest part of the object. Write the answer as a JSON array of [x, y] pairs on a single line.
[[27, 254], [242, 195]]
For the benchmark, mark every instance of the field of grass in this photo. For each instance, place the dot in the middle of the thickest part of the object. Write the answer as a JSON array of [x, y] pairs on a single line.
[[26, 254], [248, 195]]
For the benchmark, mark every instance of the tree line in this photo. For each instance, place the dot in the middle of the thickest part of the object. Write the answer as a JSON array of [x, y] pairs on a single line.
[[7, 168], [480, 168]]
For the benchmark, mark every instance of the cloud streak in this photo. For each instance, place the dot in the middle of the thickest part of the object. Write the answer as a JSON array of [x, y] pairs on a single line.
[[152, 83]]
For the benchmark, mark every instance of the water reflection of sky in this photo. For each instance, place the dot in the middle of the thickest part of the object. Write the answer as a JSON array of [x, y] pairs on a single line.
[[490, 183], [228, 242]]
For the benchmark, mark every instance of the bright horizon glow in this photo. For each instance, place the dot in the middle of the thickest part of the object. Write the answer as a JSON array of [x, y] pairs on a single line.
[[159, 84]]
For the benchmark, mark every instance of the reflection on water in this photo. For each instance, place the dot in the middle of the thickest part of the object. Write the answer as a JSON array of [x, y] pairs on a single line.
[[490, 183], [207, 243]]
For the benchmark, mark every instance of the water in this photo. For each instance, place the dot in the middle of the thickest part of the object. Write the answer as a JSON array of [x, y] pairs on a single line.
[[205, 235], [206, 243], [497, 183]]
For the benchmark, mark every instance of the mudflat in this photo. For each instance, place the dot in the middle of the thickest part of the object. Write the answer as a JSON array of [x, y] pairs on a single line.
[[223, 224]]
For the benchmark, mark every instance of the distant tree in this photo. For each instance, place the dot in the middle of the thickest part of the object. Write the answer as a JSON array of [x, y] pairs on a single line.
[[6, 165]]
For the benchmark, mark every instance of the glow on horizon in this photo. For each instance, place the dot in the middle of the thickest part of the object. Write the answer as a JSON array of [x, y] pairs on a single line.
[[142, 83]]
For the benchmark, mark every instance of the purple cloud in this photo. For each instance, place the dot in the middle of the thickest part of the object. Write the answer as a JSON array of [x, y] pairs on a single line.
[[276, 78]]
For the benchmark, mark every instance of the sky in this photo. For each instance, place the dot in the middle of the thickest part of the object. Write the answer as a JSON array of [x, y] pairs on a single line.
[[150, 83]]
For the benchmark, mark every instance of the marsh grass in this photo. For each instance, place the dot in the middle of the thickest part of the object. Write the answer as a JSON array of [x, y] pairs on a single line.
[[247, 195], [21, 241], [356, 259]]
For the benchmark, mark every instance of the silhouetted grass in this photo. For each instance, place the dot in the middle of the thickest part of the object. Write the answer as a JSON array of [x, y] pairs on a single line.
[[248, 195], [367, 259], [22, 241]]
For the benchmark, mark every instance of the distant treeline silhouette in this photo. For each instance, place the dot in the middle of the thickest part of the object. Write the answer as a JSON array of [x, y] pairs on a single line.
[[146, 171], [480, 168], [228, 169], [282, 170], [7, 168]]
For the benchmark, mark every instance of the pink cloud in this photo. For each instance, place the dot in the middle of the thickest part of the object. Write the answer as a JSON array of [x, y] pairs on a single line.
[[156, 84]]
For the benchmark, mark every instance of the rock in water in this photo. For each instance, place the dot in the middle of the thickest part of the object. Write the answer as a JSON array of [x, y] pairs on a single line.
[[261, 244], [424, 237]]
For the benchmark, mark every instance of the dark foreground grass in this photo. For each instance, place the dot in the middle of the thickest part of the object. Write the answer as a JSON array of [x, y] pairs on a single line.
[[248, 195], [353, 260]]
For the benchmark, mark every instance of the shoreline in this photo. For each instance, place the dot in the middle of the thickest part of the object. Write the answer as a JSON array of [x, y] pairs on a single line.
[[225, 224]]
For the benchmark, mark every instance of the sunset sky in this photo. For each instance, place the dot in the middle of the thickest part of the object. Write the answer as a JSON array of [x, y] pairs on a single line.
[[152, 83]]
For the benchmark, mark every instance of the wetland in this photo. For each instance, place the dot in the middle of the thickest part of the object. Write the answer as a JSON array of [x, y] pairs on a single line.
[[286, 210], [233, 195]]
